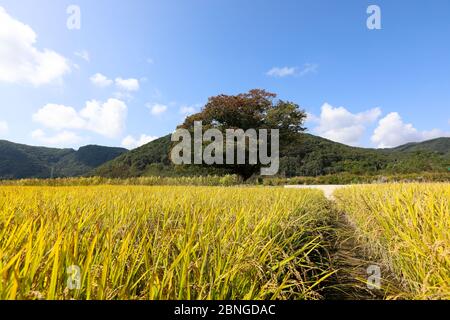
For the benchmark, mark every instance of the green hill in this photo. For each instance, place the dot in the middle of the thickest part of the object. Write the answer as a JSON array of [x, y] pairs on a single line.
[[308, 156], [22, 161], [152, 157], [439, 145]]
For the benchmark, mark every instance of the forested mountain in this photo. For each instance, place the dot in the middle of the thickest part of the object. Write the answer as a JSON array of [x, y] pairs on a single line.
[[439, 145], [22, 161], [306, 156]]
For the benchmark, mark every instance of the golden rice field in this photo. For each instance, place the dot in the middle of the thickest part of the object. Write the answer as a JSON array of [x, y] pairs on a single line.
[[407, 226], [194, 242], [139, 242]]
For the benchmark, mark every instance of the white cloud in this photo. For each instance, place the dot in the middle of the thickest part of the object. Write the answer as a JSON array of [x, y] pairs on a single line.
[[308, 68], [188, 110], [282, 72], [157, 109], [293, 71], [65, 138], [130, 142], [127, 84], [4, 128], [59, 117], [392, 132], [340, 125], [312, 117], [100, 80], [107, 119], [21, 61], [83, 55], [124, 85]]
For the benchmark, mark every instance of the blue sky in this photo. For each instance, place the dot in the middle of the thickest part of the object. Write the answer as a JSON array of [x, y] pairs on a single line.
[[135, 68]]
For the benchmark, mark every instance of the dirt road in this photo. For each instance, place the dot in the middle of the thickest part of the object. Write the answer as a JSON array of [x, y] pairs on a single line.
[[347, 258], [327, 189]]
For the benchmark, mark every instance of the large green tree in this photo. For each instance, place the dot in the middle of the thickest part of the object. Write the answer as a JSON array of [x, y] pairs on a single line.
[[257, 109]]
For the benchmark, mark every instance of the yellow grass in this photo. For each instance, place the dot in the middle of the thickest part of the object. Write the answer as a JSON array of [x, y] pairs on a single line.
[[138, 242], [408, 227]]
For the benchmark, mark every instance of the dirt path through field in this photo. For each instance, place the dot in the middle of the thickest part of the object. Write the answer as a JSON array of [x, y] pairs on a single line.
[[352, 264], [348, 259], [327, 189]]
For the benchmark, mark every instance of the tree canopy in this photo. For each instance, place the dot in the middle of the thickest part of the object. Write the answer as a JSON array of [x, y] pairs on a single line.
[[257, 109]]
